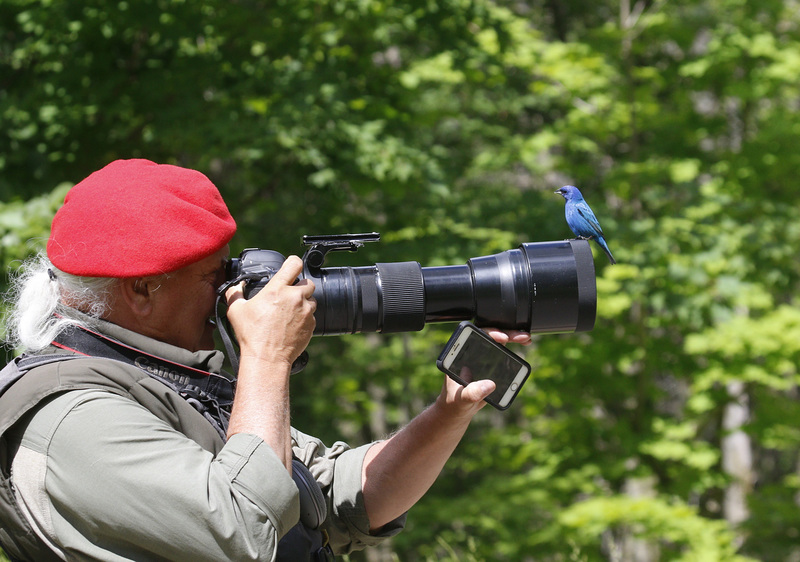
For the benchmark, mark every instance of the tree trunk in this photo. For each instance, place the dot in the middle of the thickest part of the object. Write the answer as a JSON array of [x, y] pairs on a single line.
[[737, 455]]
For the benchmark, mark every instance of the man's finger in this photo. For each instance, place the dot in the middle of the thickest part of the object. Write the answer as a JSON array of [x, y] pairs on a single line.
[[474, 392], [504, 337], [289, 271], [478, 390], [234, 292]]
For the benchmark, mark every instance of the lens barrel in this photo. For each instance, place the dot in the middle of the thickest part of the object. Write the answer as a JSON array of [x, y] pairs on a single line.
[[540, 287]]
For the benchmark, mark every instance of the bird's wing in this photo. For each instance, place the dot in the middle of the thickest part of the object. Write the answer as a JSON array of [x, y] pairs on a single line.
[[586, 212]]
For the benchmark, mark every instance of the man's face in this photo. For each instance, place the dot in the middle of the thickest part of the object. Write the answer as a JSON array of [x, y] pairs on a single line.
[[184, 303]]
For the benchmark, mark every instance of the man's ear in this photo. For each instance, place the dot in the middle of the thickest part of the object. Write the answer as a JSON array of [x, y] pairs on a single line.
[[136, 293]]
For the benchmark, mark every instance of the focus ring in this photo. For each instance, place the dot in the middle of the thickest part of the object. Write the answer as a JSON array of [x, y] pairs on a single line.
[[403, 293]]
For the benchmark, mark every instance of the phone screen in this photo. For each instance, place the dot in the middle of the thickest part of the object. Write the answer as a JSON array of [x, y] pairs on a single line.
[[474, 356]]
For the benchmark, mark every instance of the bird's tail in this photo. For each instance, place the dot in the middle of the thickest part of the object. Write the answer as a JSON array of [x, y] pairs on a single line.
[[602, 243]]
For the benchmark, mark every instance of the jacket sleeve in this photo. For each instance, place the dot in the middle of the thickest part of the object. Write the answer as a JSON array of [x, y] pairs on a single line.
[[337, 469], [120, 483]]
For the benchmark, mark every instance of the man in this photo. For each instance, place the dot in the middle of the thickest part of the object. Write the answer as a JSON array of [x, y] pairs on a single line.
[[122, 439]]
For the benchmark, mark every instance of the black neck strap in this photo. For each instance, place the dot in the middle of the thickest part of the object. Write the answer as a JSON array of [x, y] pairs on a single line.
[[209, 393], [86, 342]]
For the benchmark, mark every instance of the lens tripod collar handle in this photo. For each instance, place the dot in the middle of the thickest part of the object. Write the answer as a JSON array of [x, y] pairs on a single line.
[[319, 246]]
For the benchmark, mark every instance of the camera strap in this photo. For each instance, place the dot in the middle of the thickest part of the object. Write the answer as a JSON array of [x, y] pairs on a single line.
[[224, 326], [211, 394]]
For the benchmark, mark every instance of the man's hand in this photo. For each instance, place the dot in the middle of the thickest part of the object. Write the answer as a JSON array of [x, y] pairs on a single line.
[[278, 322], [465, 401]]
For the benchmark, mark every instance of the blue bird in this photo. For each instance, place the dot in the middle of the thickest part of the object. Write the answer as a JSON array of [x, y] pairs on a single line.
[[581, 219]]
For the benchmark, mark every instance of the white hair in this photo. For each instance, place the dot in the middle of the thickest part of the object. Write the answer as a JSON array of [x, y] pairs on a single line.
[[38, 311]]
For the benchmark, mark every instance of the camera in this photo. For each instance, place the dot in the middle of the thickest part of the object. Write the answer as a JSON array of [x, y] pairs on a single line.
[[539, 287]]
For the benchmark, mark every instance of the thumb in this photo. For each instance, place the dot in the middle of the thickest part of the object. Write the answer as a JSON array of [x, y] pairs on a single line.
[[478, 390]]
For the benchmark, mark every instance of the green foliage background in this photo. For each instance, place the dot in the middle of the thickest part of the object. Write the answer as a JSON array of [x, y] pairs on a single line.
[[446, 126]]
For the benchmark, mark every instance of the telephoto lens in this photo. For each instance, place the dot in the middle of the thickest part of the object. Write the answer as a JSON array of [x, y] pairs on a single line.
[[539, 287]]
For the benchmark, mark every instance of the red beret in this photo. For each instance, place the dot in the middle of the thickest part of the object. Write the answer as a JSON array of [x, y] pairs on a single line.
[[136, 218]]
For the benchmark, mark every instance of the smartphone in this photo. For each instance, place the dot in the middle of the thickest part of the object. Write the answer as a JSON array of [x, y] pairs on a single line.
[[471, 354]]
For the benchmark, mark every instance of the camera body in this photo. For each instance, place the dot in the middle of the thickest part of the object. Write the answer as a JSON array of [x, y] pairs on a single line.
[[539, 287]]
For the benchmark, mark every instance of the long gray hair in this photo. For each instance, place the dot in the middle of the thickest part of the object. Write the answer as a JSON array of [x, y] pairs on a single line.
[[38, 292]]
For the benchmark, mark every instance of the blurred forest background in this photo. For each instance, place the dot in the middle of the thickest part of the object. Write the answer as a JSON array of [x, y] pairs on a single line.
[[671, 431]]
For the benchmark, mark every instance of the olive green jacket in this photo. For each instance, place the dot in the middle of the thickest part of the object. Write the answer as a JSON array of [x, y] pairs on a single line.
[[110, 464]]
